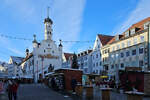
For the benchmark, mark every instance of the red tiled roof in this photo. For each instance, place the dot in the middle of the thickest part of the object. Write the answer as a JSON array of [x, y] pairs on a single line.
[[67, 55], [139, 25], [104, 38]]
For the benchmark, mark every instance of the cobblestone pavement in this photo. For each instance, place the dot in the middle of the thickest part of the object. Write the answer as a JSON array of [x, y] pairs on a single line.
[[38, 92], [41, 92]]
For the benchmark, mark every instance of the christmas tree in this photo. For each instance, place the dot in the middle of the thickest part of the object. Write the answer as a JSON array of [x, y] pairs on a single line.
[[74, 62]]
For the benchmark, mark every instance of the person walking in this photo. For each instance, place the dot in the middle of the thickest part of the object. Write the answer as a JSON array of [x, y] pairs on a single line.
[[9, 89], [73, 84], [14, 90]]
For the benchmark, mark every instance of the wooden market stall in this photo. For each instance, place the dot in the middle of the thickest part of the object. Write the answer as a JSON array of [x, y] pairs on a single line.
[[70, 74], [89, 79], [130, 79]]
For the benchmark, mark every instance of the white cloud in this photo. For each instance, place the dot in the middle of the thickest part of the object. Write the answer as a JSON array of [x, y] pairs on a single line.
[[67, 16], [6, 43], [141, 11], [23, 9], [15, 51]]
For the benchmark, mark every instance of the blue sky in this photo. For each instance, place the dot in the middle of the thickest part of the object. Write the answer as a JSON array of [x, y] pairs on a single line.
[[73, 20]]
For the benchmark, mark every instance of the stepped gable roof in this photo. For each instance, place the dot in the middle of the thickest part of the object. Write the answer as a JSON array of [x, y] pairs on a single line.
[[17, 60], [104, 38], [139, 25], [89, 51], [67, 55]]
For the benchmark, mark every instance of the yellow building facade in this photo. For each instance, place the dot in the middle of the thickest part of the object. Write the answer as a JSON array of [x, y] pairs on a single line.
[[129, 49]]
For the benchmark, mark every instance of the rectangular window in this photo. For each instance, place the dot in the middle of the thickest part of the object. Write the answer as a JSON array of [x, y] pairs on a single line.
[[122, 55], [132, 31], [85, 63], [146, 25], [122, 65], [117, 55], [97, 64], [105, 51], [113, 48], [112, 56], [134, 52], [100, 63], [128, 43], [135, 41], [141, 63], [127, 53], [142, 38], [123, 45], [141, 50], [127, 34], [118, 47], [112, 66], [96, 55], [94, 65], [108, 50]]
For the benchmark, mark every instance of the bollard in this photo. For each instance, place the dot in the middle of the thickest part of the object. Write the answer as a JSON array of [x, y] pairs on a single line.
[[89, 92], [79, 89], [131, 95], [106, 93]]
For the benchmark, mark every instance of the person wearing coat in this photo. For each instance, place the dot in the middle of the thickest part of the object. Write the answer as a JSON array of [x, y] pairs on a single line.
[[14, 90], [9, 89], [73, 84]]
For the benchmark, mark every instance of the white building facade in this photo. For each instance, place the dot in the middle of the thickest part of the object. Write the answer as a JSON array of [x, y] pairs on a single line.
[[47, 56], [85, 61], [13, 66], [97, 67]]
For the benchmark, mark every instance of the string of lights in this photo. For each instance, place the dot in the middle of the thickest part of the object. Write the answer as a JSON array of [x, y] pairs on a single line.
[[28, 39]]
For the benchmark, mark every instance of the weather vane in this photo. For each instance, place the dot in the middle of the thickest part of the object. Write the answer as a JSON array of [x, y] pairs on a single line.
[[48, 11]]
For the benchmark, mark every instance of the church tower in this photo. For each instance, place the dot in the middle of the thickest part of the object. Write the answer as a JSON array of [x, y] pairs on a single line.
[[48, 26]]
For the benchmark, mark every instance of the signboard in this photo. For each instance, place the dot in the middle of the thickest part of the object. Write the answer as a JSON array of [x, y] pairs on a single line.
[[48, 56], [133, 69]]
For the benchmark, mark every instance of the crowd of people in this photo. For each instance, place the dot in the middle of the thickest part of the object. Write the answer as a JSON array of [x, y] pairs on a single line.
[[10, 87]]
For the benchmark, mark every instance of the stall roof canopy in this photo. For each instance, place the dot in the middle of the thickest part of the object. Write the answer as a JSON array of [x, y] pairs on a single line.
[[27, 76], [69, 69]]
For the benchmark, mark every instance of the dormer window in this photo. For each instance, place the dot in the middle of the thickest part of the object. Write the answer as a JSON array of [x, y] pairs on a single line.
[[117, 38], [132, 31], [146, 25], [98, 46], [127, 34]]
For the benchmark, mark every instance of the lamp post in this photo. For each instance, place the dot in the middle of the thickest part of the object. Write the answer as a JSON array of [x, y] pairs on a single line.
[[42, 67]]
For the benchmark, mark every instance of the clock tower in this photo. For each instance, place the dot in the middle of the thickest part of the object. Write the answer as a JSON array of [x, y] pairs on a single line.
[[48, 26]]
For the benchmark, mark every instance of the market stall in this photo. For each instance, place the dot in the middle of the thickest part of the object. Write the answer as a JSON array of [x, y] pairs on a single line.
[[69, 75]]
